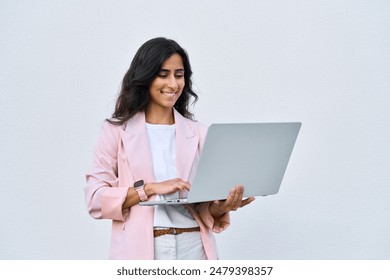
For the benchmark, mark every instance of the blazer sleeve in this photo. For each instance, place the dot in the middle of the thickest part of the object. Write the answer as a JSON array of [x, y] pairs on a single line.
[[103, 197], [216, 225]]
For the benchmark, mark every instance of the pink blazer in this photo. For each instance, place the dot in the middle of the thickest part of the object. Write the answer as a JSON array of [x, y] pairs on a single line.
[[121, 157]]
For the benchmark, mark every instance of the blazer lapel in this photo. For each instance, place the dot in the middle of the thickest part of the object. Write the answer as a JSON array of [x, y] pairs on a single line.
[[136, 143], [186, 147]]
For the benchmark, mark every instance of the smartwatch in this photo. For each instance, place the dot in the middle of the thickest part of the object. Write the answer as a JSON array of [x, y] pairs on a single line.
[[139, 186]]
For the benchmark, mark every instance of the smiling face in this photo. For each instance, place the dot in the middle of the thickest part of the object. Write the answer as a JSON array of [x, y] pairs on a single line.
[[167, 86]]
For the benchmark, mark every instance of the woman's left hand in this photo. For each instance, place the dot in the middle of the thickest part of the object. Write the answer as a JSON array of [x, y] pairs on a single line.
[[231, 203]]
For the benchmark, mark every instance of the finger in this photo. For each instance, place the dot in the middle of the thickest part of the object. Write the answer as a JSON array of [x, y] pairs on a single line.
[[240, 192], [232, 201], [224, 205], [186, 186], [238, 197], [231, 197], [247, 201], [182, 185], [236, 203]]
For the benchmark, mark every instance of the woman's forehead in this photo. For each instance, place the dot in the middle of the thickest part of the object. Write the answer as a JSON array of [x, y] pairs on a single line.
[[174, 62]]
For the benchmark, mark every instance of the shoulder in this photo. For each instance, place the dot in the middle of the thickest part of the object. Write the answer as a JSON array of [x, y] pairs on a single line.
[[108, 126], [109, 131]]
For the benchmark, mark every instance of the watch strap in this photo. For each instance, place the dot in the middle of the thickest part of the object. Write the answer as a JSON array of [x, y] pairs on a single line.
[[139, 186]]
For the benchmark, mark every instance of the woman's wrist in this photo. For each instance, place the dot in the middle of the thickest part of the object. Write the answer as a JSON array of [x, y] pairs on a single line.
[[149, 189]]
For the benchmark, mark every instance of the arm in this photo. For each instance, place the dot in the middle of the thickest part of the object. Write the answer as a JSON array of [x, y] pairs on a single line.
[[105, 200], [102, 194]]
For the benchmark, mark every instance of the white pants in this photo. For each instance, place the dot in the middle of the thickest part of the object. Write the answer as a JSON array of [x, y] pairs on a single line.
[[185, 246]]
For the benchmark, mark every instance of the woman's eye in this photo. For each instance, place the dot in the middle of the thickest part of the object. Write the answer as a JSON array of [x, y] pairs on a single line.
[[165, 74], [179, 74]]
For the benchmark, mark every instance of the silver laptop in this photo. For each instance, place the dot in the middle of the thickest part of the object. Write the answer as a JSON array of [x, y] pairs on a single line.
[[254, 155]]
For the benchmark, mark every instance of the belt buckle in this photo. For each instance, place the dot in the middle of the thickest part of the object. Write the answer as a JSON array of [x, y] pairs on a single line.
[[174, 231]]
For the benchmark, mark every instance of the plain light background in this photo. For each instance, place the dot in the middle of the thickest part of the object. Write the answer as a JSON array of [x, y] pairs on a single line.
[[324, 63]]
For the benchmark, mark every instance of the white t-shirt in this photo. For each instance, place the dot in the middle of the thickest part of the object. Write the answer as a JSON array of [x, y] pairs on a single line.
[[162, 139]]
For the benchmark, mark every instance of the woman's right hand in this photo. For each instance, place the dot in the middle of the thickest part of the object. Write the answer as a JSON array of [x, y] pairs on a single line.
[[167, 187]]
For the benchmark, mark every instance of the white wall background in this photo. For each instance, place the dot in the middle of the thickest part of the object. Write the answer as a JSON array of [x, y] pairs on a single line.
[[324, 63]]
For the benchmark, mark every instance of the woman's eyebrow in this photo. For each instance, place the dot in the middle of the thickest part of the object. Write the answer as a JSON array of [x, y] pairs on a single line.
[[176, 70]]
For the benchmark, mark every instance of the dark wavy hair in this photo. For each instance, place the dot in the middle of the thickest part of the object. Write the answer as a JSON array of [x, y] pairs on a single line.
[[147, 62]]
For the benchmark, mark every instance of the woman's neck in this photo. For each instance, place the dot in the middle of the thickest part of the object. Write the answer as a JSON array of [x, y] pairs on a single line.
[[159, 116]]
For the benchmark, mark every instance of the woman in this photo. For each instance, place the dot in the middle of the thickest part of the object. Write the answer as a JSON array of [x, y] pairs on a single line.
[[149, 149]]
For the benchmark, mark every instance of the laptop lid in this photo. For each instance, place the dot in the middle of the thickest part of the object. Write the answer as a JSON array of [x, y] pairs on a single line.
[[254, 155]]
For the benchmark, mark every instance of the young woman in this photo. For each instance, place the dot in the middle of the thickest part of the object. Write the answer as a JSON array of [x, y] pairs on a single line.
[[148, 149]]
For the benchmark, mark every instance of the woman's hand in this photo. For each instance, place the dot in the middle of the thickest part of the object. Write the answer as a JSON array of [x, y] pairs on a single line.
[[167, 187], [231, 203]]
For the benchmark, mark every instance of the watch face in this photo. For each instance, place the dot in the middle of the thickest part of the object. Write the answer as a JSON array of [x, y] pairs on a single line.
[[139, 183]]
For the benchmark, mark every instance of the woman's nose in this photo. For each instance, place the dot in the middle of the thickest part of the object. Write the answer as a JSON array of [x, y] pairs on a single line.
[[172, 83]]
